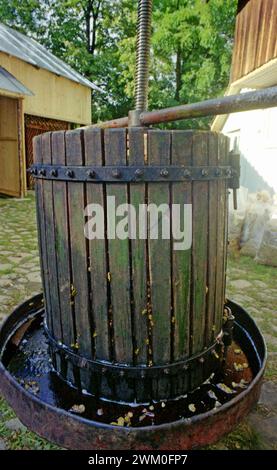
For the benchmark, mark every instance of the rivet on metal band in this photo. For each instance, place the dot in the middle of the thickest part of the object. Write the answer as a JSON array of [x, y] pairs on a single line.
[[130, 174]]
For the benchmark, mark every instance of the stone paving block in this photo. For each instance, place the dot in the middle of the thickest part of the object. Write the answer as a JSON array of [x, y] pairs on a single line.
[[15, 425]]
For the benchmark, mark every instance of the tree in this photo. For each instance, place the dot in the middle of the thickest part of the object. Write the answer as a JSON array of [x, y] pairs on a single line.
[[190, 49], [25, 16], [191, 52]]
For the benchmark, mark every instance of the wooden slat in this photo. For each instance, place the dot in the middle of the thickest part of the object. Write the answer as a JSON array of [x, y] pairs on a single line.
[[234, 66], [62, 240], [246, 41], [260, 37], [253, 33], [275, 45], [226, 157], [181, 263], [272, 32], [199, 244], [237, 62], [264, 32], [240, 46], [50, 240], [273, 48], [160, 254], [221, 203], [97, 250], [42, 233], [212, 244], [79, 266], [138, 251], [255, 37], [181, 260], [119, 275]]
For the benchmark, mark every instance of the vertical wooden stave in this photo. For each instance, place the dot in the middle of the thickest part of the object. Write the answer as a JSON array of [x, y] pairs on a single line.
[[199, 244], [260, 39], [119, 275], [97, 252], [61, 226], [251, 38], [139, 266], [138, 251], [79, 289], [225, 150], [181, 260], [265, 32], [181, 149], [50, 240], [41, 233], [212, 243], [271, 43], [160, 272], [221, 248]]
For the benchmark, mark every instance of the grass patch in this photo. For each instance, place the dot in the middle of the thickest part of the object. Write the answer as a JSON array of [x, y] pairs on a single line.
[[253, 270], [23, 439], [243, 437]]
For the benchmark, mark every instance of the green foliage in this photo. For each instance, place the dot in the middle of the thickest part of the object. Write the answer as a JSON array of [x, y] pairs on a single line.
[[190, 49], [21, 439], [22, 15], [198, 35]]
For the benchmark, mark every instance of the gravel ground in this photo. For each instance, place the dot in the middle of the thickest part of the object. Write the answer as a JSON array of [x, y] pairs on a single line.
[[253, 286]]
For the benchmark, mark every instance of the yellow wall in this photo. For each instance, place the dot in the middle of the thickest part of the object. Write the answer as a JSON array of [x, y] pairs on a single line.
[[54, 97]]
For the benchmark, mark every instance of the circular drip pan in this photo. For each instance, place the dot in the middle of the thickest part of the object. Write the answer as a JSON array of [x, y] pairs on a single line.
[[73, 419]]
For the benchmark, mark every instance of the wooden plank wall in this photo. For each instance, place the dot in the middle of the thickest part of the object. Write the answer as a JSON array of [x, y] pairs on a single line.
[[255, 37]]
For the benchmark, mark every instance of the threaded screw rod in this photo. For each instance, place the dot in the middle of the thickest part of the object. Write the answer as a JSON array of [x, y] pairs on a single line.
[[142, 54]]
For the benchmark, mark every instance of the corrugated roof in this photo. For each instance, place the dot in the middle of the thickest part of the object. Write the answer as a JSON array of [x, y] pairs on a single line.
[[9, 83], [17, 44]]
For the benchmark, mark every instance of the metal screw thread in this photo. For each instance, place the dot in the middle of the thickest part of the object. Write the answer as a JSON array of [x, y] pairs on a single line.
[[142, 51]]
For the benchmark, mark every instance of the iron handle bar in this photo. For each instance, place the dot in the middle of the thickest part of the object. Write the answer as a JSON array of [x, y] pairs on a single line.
[[261, 99]]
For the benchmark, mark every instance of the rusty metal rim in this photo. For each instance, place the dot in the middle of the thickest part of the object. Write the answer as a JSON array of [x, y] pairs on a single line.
[[7, 379]]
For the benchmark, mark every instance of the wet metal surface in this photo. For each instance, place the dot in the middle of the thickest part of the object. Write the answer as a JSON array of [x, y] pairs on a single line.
[[74, 419]]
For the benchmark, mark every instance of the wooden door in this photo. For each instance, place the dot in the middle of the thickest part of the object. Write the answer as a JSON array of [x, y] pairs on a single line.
[[9, 147]]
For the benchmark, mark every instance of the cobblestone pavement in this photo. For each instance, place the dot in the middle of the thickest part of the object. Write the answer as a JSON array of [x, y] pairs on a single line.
[[253, 286], [19, 261]]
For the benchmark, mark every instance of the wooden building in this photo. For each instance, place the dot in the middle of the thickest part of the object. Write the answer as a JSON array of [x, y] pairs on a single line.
[[254, 66], [38, 93]]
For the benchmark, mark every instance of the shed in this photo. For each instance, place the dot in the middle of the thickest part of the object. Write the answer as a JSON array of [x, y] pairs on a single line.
[[38, 93], [254, 66]]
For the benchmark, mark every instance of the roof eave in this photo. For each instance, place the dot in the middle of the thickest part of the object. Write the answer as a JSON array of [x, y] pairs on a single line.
[[262, 77], [30, 51]]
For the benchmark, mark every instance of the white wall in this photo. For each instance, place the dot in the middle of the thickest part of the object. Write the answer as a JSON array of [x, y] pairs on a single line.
[[256, 132]]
